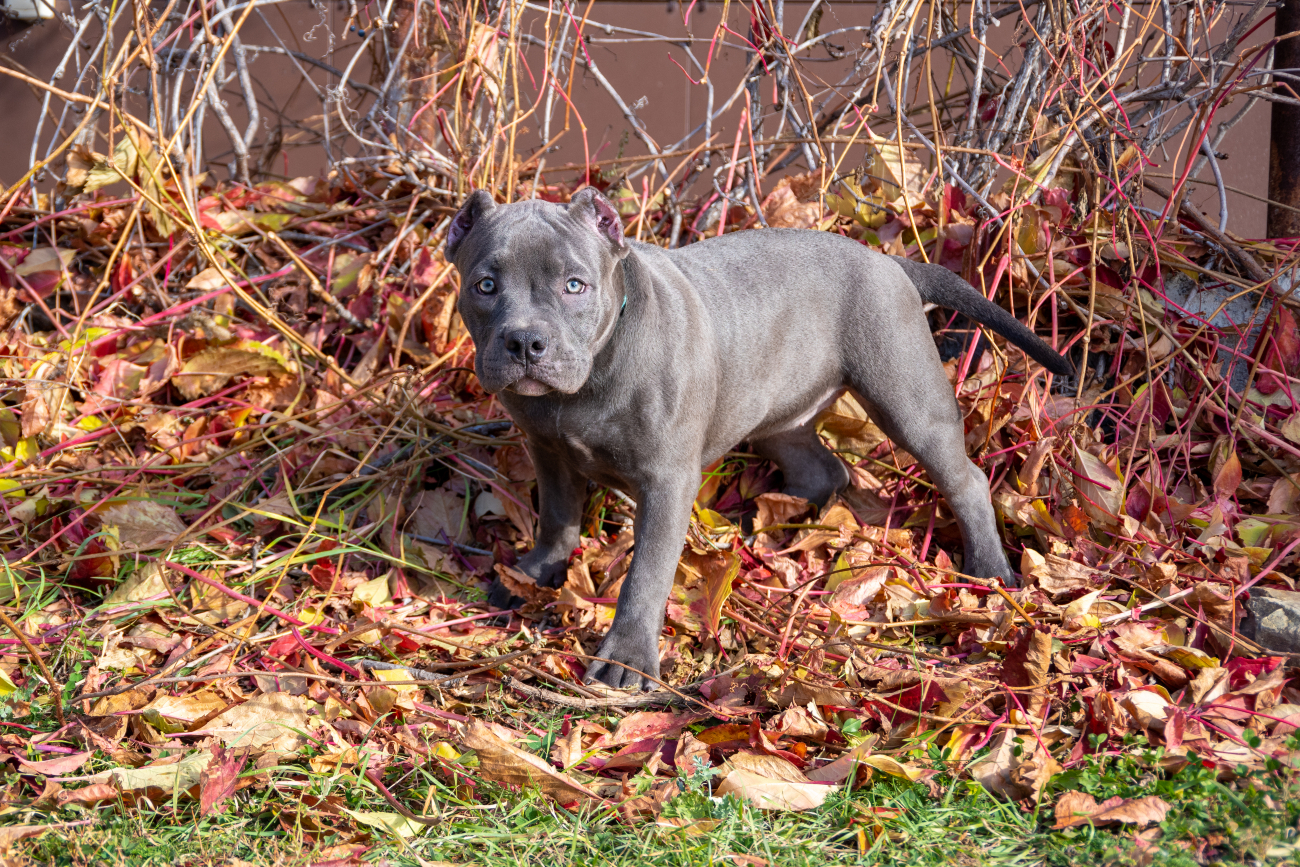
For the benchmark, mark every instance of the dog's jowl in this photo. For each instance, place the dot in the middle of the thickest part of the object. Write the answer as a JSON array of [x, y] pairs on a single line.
[[636, 367]]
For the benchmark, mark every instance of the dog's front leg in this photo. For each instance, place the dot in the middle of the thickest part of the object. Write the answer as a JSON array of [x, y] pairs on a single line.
[[560, 494], [662, 516]]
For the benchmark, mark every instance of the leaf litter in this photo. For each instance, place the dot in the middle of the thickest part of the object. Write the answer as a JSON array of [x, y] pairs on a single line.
[[250, 543]]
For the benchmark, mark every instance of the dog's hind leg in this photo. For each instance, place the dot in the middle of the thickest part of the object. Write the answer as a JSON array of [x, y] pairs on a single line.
[[811, 470], [910, 397]]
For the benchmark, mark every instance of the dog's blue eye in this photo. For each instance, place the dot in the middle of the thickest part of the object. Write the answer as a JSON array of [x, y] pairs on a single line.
[[487, 286], [574, 286]]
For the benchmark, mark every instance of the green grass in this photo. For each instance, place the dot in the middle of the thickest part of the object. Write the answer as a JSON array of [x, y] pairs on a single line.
[[1251, 821]]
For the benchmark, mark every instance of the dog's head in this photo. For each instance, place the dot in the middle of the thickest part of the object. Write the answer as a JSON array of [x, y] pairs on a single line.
[[540, 290]]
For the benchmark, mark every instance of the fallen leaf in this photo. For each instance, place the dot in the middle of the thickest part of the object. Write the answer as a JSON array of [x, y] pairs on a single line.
[[188, 708], [210, 369], [373, 592], [1026, 668], [170, 777], [719, 574], [1290, 428], [1080, 808], [271, 721], [389, 823], [688, 827], [1011, 775], [143, 523], [848, 427], [11, 834], [1149, 708], [440, 514], [505, 763], [692, 755], [144, 583], [800, 722], [1101, 487], [772, 767], [219, 778], [773, 794], [88, 796], [893, 767], [55, 767], [897, 171], [645, 724]]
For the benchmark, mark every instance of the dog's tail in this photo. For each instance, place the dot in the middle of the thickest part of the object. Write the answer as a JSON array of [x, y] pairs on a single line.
[[938, 285]]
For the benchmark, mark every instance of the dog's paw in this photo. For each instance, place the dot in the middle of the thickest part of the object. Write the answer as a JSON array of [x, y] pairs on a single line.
[[500, 597], [639, 658], [547, 571]]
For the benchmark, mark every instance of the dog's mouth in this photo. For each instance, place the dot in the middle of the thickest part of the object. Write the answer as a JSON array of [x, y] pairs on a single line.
[[529, 387]]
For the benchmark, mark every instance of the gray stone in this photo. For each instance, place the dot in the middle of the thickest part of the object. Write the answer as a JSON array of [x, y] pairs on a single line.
[[1237, 317], [1273, 619]]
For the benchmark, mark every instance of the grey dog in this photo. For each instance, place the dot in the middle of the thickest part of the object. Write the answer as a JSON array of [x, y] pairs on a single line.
[[636, 367]]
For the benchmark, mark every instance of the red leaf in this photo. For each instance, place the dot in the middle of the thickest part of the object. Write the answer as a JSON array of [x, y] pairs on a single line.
[[220, 778], [1228, 478], [1138, 501]]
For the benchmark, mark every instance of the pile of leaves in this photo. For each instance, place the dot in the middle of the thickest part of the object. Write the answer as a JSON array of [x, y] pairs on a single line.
[[252, 495]]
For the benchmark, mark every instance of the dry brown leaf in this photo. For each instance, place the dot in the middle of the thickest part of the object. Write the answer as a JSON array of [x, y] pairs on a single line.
[[784, 208], [209, 369], [800, 693], [188, 708], [1100, 487], [55, 767], [848, 427], [1080, 808], [773, 794], [89, 796], [773, 767], [526, 587], [800, 722], [692, 755], [265, 722], [567, 751], [166, 776], [143, 523], [1027, 668], [1015, 776], [11, 834], [504, 763], [440, 514]]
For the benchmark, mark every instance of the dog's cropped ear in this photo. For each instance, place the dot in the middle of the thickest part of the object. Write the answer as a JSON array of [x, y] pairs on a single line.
[[478, 204], [593, 208]]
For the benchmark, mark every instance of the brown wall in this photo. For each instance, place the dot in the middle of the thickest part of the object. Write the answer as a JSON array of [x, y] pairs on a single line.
[[636, 70]]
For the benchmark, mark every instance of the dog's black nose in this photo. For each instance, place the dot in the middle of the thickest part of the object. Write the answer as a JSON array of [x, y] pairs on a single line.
[[526, 346]]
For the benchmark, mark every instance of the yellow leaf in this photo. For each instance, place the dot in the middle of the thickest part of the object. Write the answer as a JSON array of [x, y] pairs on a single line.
[[373, 592], [11, 430], [210, 369], [312, 615], [178, 776], [391, 823], [903, 173], [1187, 657], [45, 259], [160, 722], [7, 686], [444, 750], [894, 768], [392, 674]]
